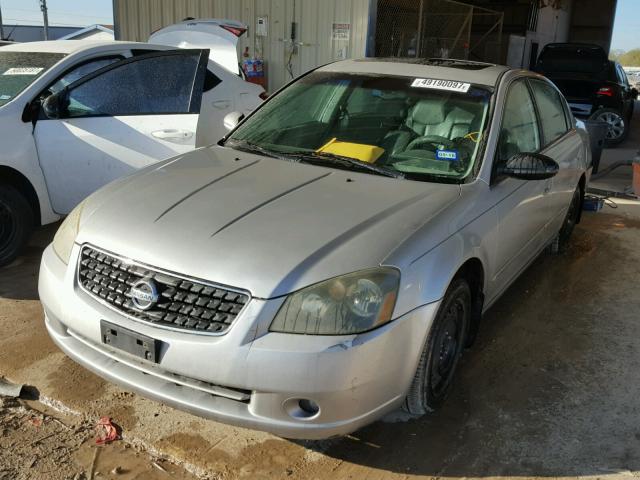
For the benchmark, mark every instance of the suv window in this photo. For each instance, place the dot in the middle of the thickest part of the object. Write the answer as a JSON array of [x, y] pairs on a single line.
[[622, 76], [519, 130], [160, 84], [552, 116]]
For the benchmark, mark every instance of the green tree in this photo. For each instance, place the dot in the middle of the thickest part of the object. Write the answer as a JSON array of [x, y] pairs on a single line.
[[616, 54], [630, 58]]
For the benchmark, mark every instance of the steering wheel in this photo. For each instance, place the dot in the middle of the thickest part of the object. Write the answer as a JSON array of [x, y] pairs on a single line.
[[435, 140]]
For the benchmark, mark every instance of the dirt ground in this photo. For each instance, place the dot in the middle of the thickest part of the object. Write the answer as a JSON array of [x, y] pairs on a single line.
[[38, 442], [550, 389]]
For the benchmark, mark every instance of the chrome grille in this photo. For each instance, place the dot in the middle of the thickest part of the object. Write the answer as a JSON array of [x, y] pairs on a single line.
[[182, 304]]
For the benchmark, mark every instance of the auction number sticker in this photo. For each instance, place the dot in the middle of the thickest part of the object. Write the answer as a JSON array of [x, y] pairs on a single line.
[[23, 71], [449, 85]]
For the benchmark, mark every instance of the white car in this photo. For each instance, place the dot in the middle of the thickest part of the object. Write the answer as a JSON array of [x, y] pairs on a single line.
[[75, 115]]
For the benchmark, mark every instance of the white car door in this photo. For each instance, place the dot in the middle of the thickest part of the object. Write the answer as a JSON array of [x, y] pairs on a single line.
[[118, 119]]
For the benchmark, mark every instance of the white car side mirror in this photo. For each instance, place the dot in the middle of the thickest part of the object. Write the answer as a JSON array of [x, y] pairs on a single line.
[[232, 119]]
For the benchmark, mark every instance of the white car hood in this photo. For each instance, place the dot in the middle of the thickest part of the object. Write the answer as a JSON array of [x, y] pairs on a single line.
[[204, 34]]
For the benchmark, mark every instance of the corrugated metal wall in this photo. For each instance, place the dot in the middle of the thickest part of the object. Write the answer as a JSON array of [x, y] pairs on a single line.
[[136, 19]]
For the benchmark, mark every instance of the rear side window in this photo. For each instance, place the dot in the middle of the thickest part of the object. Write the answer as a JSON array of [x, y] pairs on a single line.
[[155, 85], [552, 115]]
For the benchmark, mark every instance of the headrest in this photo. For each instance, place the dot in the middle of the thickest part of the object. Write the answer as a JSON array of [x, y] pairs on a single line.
[[429, 112]]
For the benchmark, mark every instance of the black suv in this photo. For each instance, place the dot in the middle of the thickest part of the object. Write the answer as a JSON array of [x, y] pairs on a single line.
[[595, 87]]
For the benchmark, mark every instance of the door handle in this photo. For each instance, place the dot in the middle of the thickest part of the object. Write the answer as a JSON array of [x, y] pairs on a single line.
[[173, 135], [221, 104]]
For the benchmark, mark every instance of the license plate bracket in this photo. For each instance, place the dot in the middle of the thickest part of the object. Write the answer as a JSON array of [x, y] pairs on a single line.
[[128, 341]]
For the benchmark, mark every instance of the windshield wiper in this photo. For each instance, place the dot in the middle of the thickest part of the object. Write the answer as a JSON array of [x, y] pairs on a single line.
[[249, 147], [349, 163]]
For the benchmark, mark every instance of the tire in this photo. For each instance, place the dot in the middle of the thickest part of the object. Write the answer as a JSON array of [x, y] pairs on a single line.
[[441, 352], [16, 223], [561, 241], [618, 125]]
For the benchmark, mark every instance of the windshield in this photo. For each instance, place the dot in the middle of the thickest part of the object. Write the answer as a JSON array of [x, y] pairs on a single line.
[[418, 129], [19, 69]]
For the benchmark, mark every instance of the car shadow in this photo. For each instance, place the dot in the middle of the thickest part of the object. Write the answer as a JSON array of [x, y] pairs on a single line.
[[549, 388], [19, 279]]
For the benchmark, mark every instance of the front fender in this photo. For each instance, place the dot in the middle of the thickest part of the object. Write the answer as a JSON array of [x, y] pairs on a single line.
[[426, 275]]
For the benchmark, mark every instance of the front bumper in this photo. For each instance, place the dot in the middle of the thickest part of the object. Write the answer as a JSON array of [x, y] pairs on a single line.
[[248, 377]]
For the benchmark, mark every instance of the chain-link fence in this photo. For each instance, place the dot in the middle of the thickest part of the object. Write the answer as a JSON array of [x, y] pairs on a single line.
[[438, 28]]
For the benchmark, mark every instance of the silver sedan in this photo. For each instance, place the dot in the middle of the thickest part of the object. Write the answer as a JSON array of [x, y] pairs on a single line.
[[331, 258]]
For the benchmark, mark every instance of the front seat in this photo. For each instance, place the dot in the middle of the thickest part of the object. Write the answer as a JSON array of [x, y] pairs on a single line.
[[426, 116]]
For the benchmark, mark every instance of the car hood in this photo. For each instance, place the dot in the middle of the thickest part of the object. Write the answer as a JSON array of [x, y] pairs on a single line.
[[265, 225]]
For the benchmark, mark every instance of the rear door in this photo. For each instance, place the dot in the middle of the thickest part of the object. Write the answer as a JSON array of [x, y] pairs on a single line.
[[563, 144], [120, 118], [627, 93]]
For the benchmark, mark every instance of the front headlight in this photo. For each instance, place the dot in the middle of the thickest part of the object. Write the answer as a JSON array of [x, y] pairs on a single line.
[[67, 233], [345, 305]]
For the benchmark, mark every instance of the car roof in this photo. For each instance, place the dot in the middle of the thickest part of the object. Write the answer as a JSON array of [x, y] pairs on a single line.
[[61, 46], [479, 73]]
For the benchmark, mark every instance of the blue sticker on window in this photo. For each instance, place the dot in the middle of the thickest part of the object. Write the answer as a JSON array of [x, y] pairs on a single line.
[[447, 155]]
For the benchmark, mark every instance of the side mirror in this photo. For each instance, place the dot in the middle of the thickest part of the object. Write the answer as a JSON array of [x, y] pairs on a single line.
[[634, 93], [529, 166], [52, 106], [231, 120]]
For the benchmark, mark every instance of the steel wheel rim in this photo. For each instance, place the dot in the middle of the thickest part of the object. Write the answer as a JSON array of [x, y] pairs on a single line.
[[8, 226], [447, 347], [615, 122]]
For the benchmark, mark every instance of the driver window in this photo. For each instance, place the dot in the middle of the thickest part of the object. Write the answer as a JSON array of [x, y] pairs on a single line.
[[82, 70], [519, 132]]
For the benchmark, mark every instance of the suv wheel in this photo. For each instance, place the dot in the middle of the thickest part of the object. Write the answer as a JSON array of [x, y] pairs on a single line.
[[618, 125], [442, 351], [16, 223]]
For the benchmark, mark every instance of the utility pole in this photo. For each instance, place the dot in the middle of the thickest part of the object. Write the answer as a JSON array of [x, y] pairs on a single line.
[[1, 27], [45, 16]]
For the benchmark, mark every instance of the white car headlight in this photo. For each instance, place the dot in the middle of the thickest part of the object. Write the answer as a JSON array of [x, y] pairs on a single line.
[[344, 305], [67, 233]]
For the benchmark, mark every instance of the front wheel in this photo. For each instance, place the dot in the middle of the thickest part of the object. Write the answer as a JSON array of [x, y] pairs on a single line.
[[16, 223], [441, 352], [618, 125], [561, 241]]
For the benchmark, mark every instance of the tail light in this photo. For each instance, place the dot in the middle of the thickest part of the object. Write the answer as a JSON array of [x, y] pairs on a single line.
[[264, 95], [606, 91], [237, 31]]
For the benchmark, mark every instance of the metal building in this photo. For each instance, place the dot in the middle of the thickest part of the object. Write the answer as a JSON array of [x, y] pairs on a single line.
[[293, 36]]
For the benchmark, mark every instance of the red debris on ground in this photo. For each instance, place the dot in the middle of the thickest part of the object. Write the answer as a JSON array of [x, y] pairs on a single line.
[[107, 431]]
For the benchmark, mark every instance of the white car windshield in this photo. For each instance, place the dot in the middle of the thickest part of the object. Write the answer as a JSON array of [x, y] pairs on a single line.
[[19, 69], [419, 129]]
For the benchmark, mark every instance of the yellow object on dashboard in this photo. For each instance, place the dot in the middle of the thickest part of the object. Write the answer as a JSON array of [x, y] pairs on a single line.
[[359, 151]]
